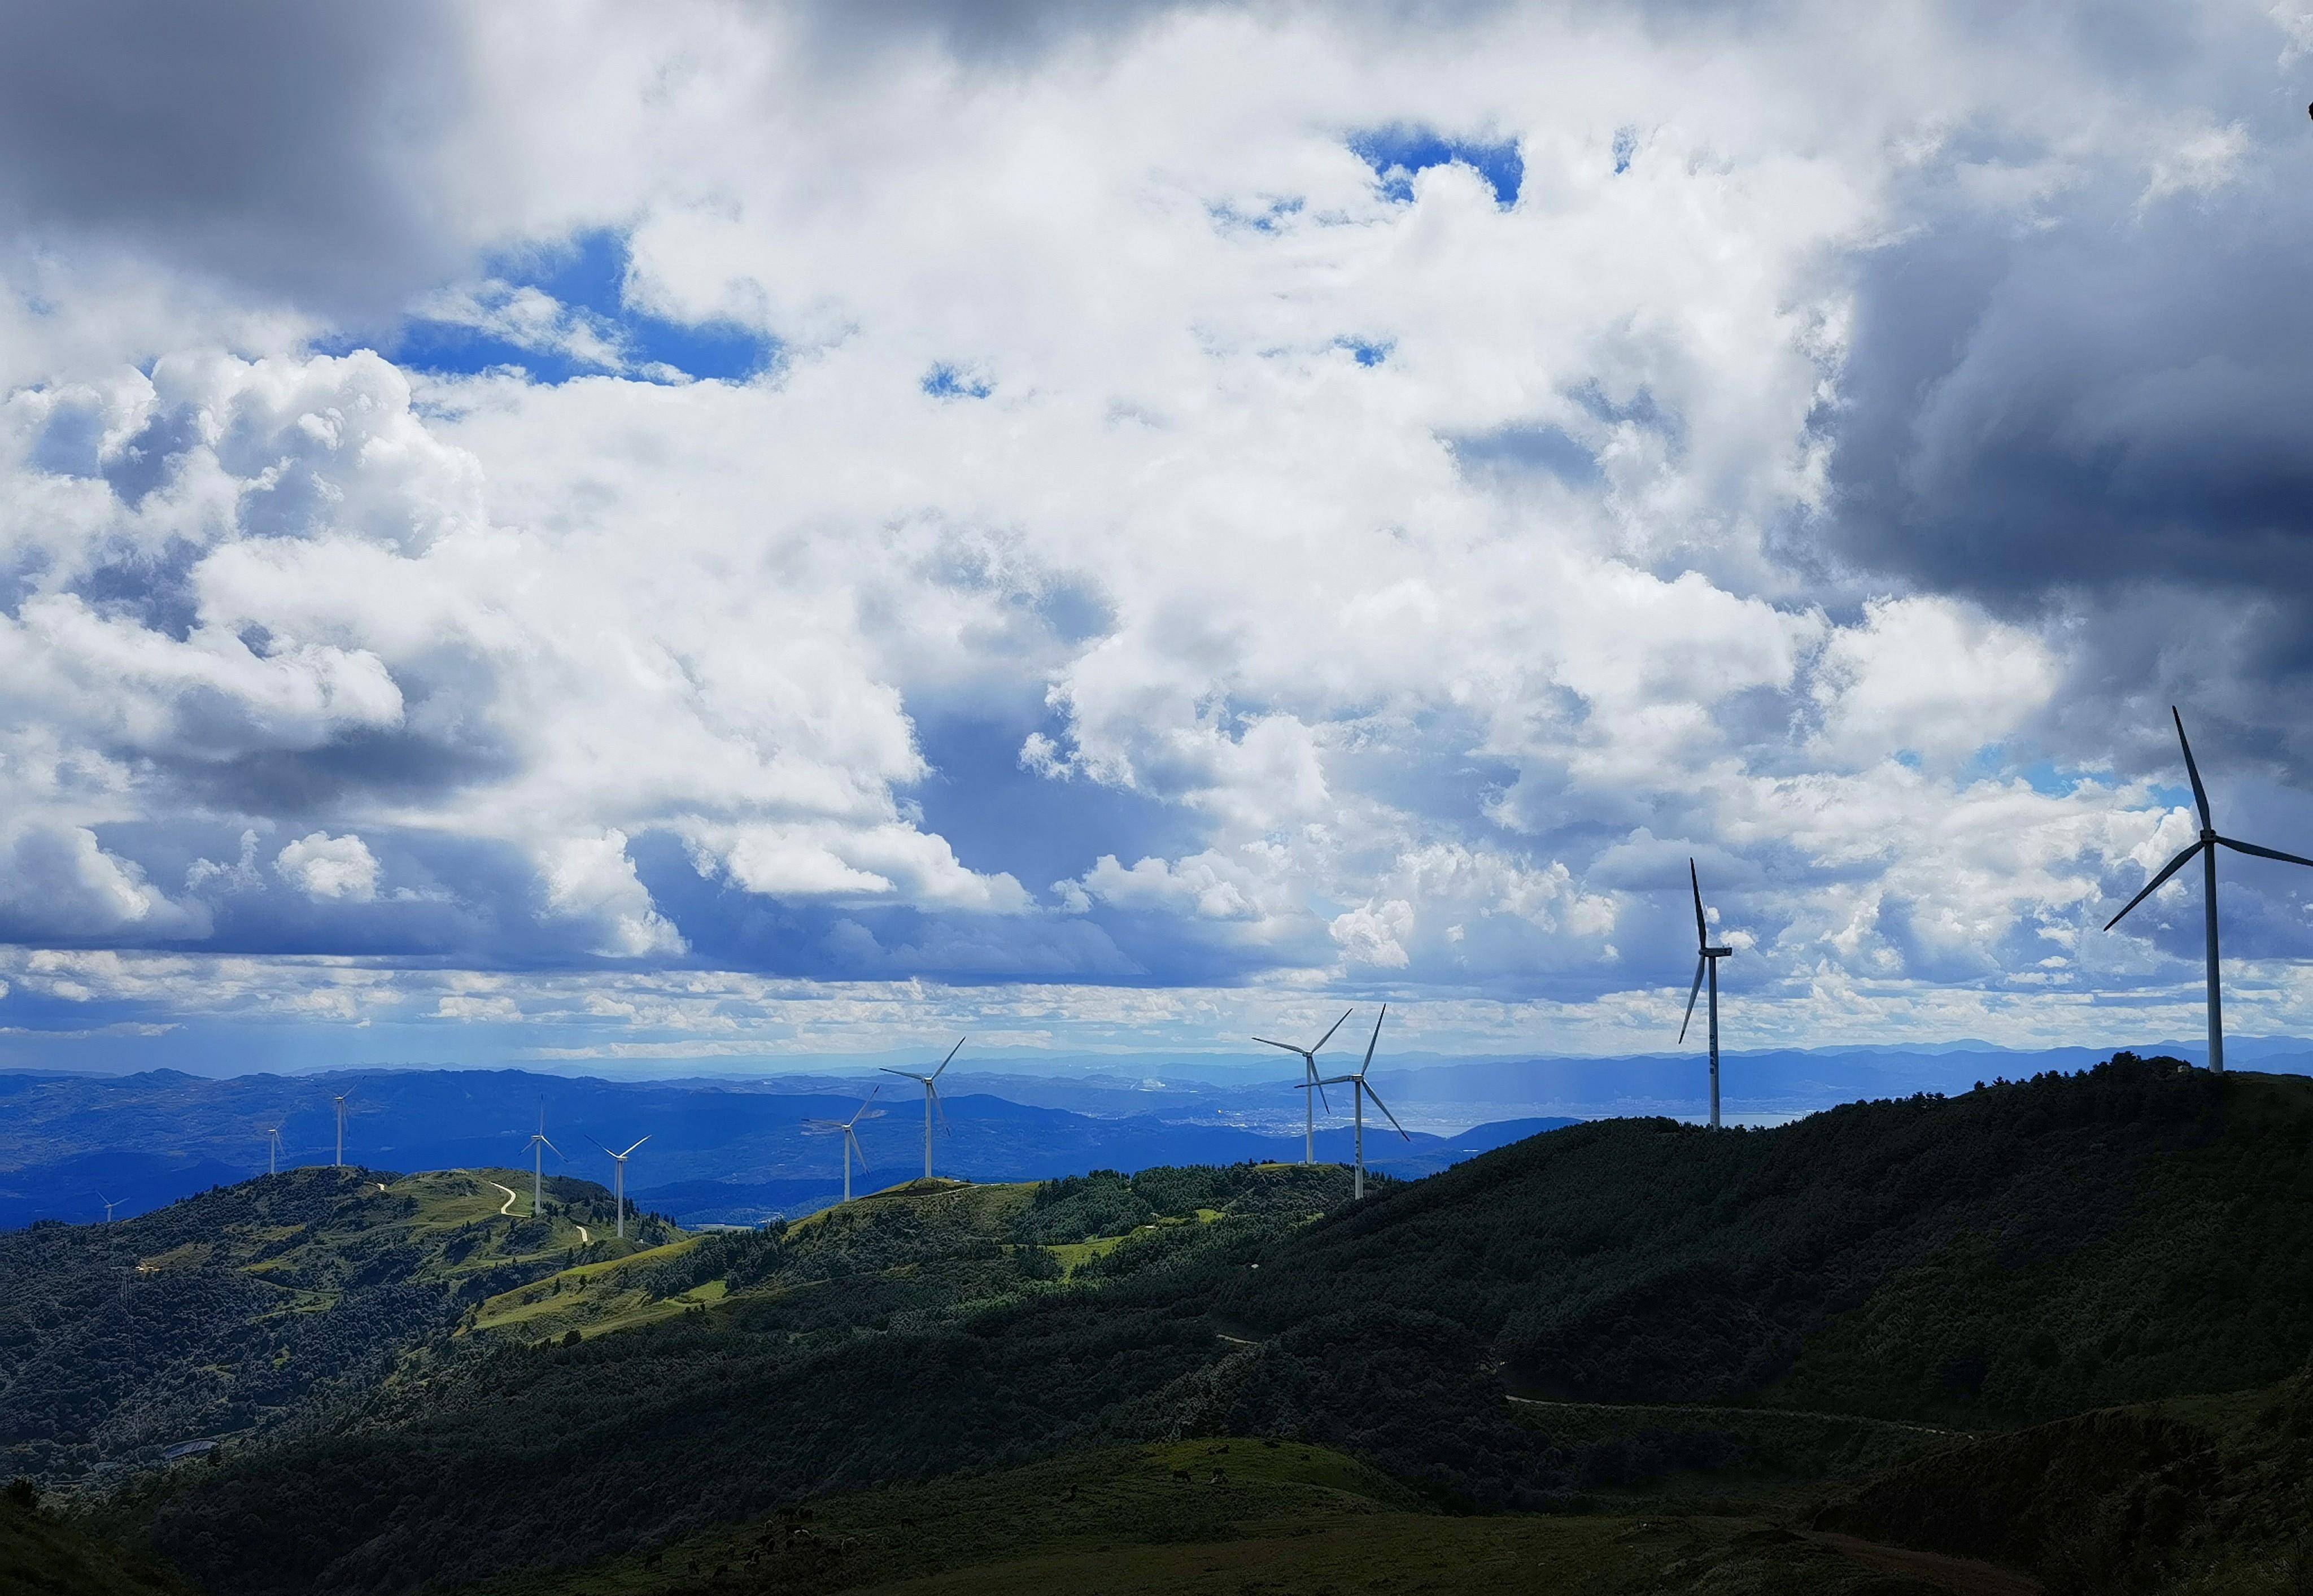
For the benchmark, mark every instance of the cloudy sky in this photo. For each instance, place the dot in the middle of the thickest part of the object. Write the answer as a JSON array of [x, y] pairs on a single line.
[[716, 531]]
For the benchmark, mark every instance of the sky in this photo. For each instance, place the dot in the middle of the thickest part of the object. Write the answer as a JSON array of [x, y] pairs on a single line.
[[721, 532]]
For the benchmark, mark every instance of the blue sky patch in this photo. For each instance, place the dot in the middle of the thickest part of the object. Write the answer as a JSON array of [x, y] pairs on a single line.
[[561, 312], [1368, 351], [1398, 151], [945, 381], [1626, 145]]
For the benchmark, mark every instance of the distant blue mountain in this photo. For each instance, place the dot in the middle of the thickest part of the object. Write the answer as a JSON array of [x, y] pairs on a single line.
[[719, 1151]]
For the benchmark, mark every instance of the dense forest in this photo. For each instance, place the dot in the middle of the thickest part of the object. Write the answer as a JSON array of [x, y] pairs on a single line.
[[1670, 1304], [255, 1303]]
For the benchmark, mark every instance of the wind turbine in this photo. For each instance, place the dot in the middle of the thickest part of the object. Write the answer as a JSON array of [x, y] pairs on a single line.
[[1309, 1079], [341, 1100], [537, 1146], [620, 1159], [829, 1127], [109, 1204], [931, 1098], [1359, 1091], [2207, 849], [273, 1149], [1706, 963]]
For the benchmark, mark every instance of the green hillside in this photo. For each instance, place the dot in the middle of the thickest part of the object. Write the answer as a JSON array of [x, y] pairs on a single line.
[[251, 1303], [2196, 1496], [1282, 1518], [1604, 1323], [2025, 1250], [43, 1555]]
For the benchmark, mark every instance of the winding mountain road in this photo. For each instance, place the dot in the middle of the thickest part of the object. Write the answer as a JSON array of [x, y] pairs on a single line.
[[507, 1207]]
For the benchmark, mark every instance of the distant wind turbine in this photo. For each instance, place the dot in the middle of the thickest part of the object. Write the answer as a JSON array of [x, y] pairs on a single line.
[[620, 1159], [1309, 1080], [931, 1100], [273, 1149], [2207, 849], [341, 1097], [829, 1127], [1360, 1090], [1706, 963], [109, 1204], [538, 1147]]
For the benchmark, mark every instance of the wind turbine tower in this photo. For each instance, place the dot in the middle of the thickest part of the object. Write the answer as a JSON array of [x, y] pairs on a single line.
[[538, 1145], [1706, 964], [273, 1149], [341, 1099], [1360, 1090], [2207, 849], [1309, 1081], [829, 1127], [931, 1100], [620, 1160], [109, 1204]]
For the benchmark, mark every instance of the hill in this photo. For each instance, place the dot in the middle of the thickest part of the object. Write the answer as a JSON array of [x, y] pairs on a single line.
[[2031, 1249], [251, 1304], [1610, 1319], [42, 1555], [721, 1152]]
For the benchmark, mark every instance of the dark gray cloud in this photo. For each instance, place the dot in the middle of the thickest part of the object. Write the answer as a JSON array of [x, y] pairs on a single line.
[[274, 143]]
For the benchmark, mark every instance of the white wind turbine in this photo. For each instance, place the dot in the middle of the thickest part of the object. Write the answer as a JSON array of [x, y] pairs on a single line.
[[1360, 1090], [341, 1100], [538, 1146], [2207, 849], [1308, 1080], [931, 1100], [620, 1159], [109, 1204], [1706, 962], [829, 1127], [273, 1149]]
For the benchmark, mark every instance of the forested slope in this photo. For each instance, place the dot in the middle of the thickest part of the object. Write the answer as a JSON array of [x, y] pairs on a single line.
[[2024, 1250], [2027, 1249], [251, 1303]]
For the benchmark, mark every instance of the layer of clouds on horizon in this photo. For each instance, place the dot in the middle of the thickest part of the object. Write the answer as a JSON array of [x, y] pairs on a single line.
[[688, 532]]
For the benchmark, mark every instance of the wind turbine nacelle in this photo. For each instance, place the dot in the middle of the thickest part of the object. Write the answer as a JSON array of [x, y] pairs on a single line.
[[1718, 953]]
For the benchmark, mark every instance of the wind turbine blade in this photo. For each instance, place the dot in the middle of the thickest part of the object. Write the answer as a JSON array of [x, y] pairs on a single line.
[[1690, 998], [1336, 1026], [2153, 885], [910, 1074], [1310, 1060], [1383, 1106], [1287, 1045], [939, 1106], [1371, 1040], [636, 1144], [1701, 931], [854, 1143], [950, 1058], [861, 1112], [2200, 793], [605, 1149], [554, 1150], [2287, 859]]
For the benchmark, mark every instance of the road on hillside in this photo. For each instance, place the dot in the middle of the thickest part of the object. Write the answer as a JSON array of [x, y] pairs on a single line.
[[508, 1206], [583, 1239]]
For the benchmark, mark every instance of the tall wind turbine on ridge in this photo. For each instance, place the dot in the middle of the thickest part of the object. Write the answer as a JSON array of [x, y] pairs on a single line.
[[109, 1204], [1359, 1091], [620, 1196], [1309, 1081], [2207, 849], [341, 1127], [538, 1145], [273, 1149], [829, 1127], [931, 1100], [1706, 964]]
